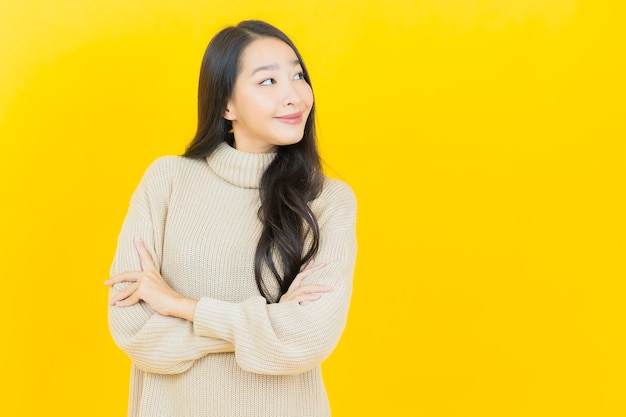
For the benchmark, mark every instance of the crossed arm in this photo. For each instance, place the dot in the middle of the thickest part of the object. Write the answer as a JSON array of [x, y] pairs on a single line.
[[149, 286], [149, 321], [165, 332]]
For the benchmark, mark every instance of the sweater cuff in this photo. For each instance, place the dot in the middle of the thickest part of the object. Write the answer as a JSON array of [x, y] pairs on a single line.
[[216, 318]]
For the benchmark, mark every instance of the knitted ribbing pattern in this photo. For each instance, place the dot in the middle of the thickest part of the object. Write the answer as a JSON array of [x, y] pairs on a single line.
[[241, 356]]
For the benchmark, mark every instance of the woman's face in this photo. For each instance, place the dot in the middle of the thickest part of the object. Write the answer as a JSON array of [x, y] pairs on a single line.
[[271, 100]]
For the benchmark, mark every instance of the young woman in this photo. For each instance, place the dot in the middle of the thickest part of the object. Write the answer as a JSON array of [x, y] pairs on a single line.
[[233, 273]]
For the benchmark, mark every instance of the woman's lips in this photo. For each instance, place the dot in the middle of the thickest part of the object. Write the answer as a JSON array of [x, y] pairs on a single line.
[[292, 119]]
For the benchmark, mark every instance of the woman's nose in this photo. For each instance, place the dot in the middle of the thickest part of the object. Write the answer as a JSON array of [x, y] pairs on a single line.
[[291, 96]]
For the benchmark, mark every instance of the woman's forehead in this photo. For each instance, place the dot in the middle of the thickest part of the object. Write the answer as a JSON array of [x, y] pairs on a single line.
[[267, 54]]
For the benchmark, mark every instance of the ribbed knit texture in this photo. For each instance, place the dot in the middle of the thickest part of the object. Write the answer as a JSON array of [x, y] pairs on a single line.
[[241, 356]]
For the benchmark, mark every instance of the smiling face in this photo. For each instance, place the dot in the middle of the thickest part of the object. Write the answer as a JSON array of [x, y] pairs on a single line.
[[271, 100]]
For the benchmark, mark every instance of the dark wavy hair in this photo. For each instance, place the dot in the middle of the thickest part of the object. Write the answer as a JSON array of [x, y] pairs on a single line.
[[290, 235]]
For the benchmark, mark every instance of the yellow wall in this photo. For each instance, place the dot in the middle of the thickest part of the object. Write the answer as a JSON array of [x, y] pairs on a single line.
[[484, 140]]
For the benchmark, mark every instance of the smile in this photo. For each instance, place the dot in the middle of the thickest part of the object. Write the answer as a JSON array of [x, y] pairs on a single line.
[[292, 119]]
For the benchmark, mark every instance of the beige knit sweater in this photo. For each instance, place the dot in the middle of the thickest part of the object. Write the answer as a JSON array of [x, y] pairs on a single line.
[[240, 356]]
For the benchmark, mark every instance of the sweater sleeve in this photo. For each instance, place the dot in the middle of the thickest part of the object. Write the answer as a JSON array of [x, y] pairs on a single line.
[[155, 343], [289, 338]]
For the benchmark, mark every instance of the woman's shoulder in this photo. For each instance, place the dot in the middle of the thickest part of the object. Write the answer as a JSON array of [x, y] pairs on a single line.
[[337, 191], [169, 166], [336, 203], [175, 162]]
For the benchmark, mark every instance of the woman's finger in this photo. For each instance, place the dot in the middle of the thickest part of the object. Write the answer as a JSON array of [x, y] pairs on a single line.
[[302, 297], [306, 293], [312, 288], [297, 281], [308, 297], [129, 301], [144, 256], [124, 294], [131, 276], [309, 268]]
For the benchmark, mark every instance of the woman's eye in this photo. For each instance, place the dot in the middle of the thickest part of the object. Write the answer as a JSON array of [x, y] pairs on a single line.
[[299, 76], [269, 81]]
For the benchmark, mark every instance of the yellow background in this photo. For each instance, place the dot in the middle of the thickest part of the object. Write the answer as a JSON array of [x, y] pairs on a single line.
[[484, 141]]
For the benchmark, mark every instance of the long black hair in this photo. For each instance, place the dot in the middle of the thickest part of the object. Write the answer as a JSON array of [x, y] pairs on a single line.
[[290, 234]]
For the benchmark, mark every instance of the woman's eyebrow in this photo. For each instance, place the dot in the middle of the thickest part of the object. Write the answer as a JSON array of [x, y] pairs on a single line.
[[273, 67]]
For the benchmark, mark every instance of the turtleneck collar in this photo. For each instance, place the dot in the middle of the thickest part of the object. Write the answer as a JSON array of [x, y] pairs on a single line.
[[241, 169]]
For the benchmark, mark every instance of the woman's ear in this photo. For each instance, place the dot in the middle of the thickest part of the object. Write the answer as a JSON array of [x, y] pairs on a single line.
[[228, 113]]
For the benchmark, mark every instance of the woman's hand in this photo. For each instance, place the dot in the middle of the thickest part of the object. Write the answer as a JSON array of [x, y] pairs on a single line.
[[148, 285], [308, 292]]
